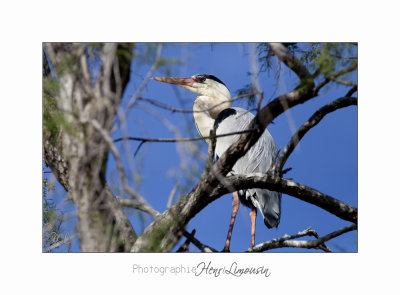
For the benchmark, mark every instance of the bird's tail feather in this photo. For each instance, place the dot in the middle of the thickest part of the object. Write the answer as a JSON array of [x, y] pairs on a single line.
[[269, 203]]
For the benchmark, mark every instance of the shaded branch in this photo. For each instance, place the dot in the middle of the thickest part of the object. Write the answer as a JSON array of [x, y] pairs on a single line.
[[352, 91], [197, 243], [185, 246], [178, 215], [268, 113], [286, 240], [298, 190]]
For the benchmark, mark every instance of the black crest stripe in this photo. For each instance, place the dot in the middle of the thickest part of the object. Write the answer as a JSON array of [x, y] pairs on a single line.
[[212, 77], [223, 115]]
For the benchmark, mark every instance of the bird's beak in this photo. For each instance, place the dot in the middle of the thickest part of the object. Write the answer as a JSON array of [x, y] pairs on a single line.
[[176, 81]]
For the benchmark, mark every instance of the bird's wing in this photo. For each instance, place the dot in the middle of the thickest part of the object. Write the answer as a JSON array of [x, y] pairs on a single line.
[[257, 160]]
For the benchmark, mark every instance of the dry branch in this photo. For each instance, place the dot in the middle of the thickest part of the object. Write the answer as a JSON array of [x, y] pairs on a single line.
[[202, 247], [298, 190], [175, 218], [287, 240], [311, 122], [77, 157], [170, 140]]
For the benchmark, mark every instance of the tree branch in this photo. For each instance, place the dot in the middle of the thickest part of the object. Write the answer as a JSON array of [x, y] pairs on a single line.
[[197, 243], [310, 123], [137, 205], [349, 69], [343, 82], [77, 154], [181, 139], [147, 78], [60, 243], [173, 220], [268, 113], [351, 91], [176, 110], [115, 153], [298, 190], [285, 240]]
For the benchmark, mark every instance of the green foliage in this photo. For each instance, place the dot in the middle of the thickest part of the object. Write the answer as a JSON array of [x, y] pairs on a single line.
[[50, 111], [324, 60], [52, 218], [144, 54], [67, 65], [53, 119]]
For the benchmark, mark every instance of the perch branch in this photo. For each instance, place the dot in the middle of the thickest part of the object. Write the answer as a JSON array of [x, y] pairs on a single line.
[[298, 190]]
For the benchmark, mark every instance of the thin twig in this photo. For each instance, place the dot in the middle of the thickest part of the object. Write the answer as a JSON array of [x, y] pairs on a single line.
[[177, 110], [147, 78], [116, 155], [136, 205], [334, 76], [138, 148], [343, 82], [60, 243], [172, 194], [181, 139]]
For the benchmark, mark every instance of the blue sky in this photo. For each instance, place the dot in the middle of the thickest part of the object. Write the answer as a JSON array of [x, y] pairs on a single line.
[[326, 158]]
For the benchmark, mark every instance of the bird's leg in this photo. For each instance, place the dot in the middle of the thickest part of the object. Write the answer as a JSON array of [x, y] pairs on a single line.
[[253, 215], [235, 208]]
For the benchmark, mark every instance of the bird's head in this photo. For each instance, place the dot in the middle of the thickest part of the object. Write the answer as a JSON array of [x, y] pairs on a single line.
[[203, 84]]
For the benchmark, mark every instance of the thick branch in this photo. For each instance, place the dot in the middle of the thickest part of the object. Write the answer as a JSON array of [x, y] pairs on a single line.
[[170, 224], [290, 60], [77, 155], [268, 113], [298, 190]]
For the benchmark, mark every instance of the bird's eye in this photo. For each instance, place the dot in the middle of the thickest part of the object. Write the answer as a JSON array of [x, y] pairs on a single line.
[[200, 79]]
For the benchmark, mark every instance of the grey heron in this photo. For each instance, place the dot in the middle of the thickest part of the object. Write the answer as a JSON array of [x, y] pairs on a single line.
[[213, 108]]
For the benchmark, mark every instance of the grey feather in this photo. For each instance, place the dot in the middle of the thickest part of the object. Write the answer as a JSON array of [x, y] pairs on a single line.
[[257, 160]]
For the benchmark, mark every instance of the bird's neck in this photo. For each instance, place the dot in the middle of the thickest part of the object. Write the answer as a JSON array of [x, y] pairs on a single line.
[[206, 110]]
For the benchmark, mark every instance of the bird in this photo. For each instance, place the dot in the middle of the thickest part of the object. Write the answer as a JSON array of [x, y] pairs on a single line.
[[213, 109]]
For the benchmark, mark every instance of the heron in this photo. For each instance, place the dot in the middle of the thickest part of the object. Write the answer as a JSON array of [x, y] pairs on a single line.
[[213, 109]]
